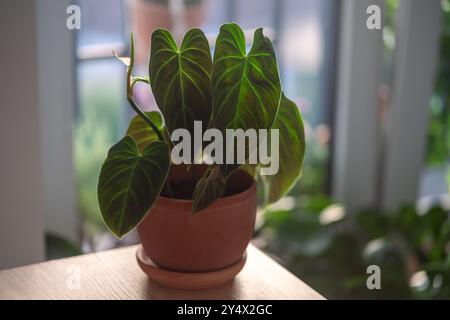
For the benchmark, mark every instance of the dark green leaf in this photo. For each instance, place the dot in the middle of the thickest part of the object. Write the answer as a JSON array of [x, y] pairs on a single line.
[[181, 78], [208, 189], [246, 87], [291, 150], [435, 218], [141, 132], [58, 247], [130, 182]]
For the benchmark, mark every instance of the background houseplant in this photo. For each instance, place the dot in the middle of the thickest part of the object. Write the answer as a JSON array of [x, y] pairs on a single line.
[[330, 249], [235, 90]]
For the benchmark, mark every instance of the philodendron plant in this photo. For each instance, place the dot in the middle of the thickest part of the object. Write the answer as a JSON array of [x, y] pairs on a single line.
[[235, 89]]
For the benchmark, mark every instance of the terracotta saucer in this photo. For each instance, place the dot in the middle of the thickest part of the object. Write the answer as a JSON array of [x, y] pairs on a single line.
[[188, 280]]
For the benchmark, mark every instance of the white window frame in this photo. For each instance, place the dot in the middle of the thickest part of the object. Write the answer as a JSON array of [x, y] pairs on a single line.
[[418, 30], [356, 141], [368, 170]]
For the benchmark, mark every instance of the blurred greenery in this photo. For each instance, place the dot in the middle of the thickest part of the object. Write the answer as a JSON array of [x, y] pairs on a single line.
[[58, 247], [97, 127], [331, 250], [438, 150], [389, 40], [314, 174]]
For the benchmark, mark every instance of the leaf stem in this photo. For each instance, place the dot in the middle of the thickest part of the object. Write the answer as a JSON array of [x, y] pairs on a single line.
[[138, 110], [131, 81], [145, 117]]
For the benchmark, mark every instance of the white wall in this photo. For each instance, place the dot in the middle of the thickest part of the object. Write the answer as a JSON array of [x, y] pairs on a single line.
[[56, 100], [37, 191], [21, 202]]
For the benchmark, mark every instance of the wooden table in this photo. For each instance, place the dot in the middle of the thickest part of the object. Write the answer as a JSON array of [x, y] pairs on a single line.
[[115, 274]]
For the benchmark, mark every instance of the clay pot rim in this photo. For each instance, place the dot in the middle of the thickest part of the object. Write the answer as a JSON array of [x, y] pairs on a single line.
[[223, 202]]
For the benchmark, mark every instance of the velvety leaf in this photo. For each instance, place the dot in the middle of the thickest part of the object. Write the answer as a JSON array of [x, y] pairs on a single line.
[[130, 182], [246, 87], [141, 132], [181, 78], [291, 150], [208, 189]]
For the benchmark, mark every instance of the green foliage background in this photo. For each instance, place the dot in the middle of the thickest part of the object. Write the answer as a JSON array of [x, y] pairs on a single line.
[[438, 135]]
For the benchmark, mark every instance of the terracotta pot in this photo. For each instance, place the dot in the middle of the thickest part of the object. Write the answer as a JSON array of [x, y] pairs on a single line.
[[212, 239]]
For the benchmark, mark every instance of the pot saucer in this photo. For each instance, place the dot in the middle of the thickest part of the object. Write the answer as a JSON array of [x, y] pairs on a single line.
[[187, 280]]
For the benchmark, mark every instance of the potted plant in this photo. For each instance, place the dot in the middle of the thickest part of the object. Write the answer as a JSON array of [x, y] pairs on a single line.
[[199, 215]]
